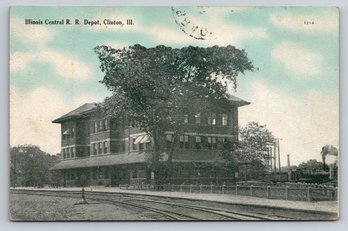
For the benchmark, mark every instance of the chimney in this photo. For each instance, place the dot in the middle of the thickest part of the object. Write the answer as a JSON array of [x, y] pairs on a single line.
[[288, 161]]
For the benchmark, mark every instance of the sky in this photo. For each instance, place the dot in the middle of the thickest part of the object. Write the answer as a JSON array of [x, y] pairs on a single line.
[[295, 91]]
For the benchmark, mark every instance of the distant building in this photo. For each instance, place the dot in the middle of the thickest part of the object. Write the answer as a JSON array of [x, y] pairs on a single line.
[[106, 151]]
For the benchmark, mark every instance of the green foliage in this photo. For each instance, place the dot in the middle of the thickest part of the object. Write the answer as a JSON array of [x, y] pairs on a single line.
[[250, 152], [30, 166], [153, 87], [255, 140]]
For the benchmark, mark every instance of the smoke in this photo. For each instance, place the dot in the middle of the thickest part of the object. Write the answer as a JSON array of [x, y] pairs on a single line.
[[328, 150]]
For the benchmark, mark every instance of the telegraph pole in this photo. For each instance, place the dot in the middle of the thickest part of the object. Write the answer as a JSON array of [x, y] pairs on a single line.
[[275, 159], [278, 154]]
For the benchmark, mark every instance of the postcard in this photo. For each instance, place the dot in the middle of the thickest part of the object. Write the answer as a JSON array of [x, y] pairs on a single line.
[[174, 113]]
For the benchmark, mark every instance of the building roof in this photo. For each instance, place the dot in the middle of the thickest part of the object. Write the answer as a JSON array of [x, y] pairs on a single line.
[[237, 101], [199, 156], [88, 107], [106, 160], [77, 113]]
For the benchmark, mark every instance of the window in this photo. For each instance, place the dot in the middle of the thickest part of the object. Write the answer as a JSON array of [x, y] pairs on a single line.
[[141, 146], [221, 141], [64, 153], [181, 138], [169, 139], [185, 119], [106, 124], [100, 173], [214, 144], [212, 119], [100, 148], [94, 173], [198, 118], [72, 132], [123, 146], [147, 145], [95, 149], [224, 119], [186, 140], [106, 173], [134, 145], [101, 125], [67, 153], [133, 174], [105, 147], [198, 142], [95, 127], [209, 142], [72, 150]]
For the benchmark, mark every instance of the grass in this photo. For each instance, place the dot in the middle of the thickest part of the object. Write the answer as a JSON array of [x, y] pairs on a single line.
[[42, 208]]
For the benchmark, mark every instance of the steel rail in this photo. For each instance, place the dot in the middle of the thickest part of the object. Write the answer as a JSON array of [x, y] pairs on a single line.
[[232, 215]]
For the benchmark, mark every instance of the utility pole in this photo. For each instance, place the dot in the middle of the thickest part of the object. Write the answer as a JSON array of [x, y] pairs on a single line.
[[278, 155], [270, 159], [275, 159]]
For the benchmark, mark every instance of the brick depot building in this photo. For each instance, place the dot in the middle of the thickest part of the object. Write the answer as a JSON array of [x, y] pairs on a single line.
[[104, 151]]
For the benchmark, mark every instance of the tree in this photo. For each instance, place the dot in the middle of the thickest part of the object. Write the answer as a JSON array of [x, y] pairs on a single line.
[[251, 152], [30, 166], [255, 140], [312, 166], [154, 87]]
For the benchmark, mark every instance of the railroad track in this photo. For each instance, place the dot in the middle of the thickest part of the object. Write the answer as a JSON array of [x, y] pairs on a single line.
[[161, 206]]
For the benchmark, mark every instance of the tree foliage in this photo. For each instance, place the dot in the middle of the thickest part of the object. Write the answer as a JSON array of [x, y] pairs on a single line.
[[152, 87], [255, 141], [30, 166], [311, 165], [250, 152]]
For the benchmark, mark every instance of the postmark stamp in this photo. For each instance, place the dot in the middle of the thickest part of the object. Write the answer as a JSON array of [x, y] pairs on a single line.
[[189, 22]]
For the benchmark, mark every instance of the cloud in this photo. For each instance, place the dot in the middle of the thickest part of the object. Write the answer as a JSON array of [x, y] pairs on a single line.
[[321, 22], [31, 117], [230, 34], [216, 33], [297, 59], [304, 122], [29, 34], [64, 64]]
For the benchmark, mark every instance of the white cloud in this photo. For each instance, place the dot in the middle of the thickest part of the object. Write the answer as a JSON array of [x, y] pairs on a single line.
[[222, 36], [297, 59], [215, 28], [305, 123], [31, 117], [321, 22], [30, 34], [65, 65]]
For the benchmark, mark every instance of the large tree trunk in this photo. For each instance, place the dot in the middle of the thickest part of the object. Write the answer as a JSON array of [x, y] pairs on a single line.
[[171, 152]]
